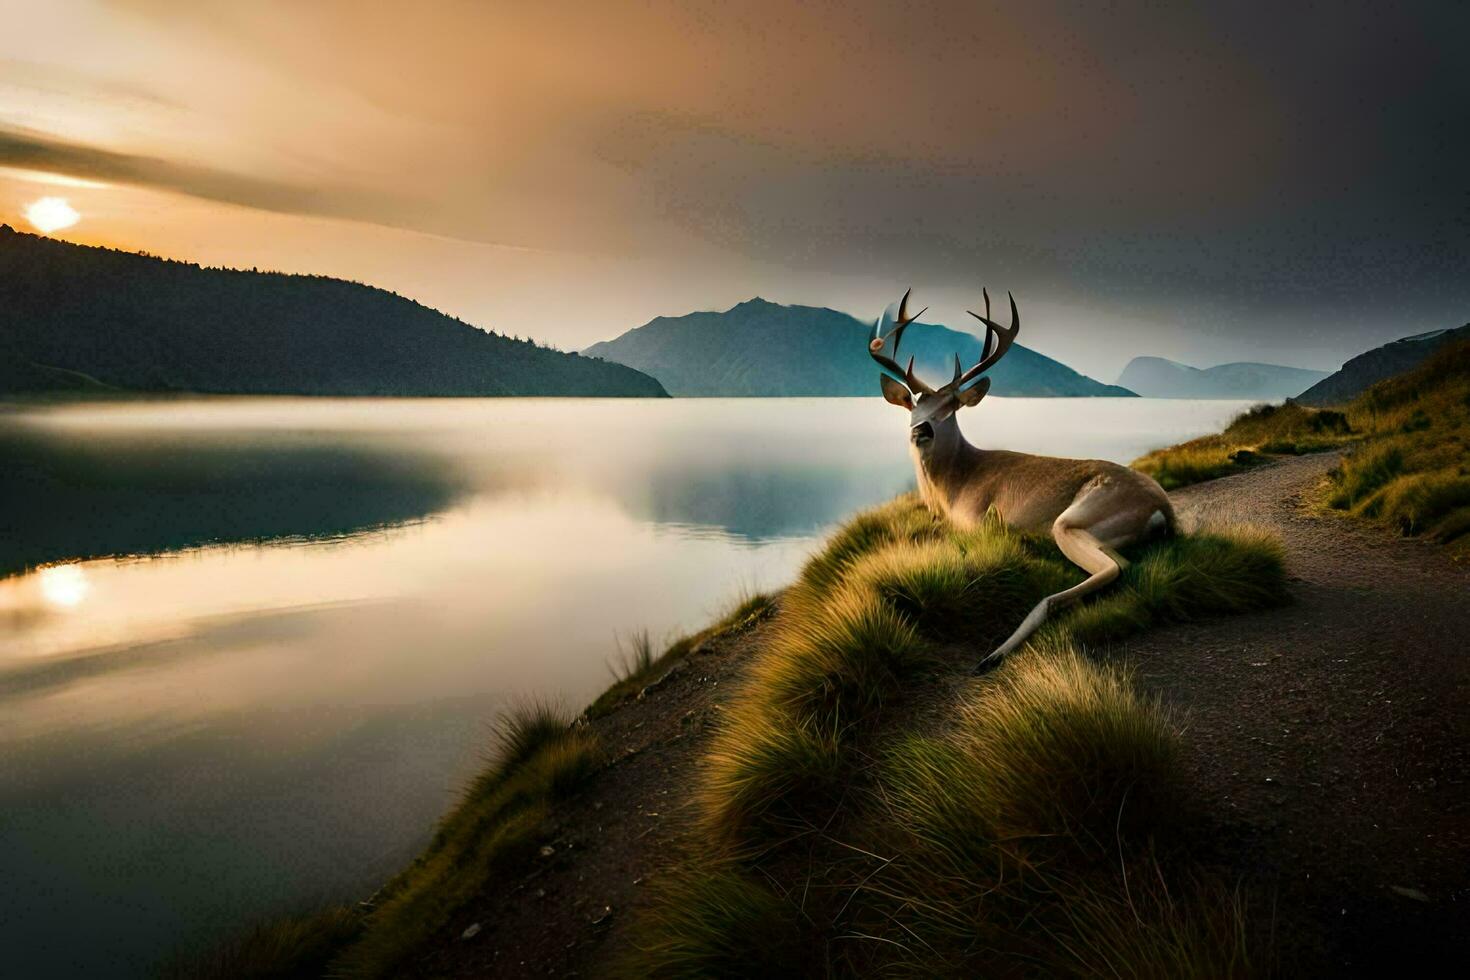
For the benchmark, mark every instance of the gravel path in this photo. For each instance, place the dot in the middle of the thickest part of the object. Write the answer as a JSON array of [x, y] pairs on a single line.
[[1331, 737]]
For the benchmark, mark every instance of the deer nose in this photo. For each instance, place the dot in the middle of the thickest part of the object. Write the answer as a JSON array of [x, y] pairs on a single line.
[[921, 433]]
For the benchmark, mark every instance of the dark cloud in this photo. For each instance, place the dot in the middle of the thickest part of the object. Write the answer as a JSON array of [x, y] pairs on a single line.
[[19, 148]]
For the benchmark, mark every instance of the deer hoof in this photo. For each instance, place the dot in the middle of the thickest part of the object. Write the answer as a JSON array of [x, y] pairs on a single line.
[[986, 665]]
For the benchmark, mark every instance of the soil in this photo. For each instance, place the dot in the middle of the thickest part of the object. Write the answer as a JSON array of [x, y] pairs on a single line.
[[1331, 737], [1329, 741]]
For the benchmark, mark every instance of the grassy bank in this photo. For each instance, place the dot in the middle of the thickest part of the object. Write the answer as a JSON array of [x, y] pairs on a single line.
[[1408, 466], [1251, 438], [865, 805], [868, 807], [1412, 471]]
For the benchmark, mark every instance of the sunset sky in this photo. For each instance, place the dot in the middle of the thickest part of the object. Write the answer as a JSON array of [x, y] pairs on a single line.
[[1255, 183]]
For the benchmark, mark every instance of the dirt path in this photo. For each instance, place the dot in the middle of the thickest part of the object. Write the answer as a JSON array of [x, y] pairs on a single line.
[[1332, 736]]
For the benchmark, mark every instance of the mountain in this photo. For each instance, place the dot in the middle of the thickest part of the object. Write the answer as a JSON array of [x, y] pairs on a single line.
[[1157, 377], [759, 348], [73, 316], [1368, 368]]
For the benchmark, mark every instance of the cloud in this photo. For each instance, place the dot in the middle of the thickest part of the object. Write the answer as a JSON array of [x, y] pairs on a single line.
[[1224, 169], [35, 151]]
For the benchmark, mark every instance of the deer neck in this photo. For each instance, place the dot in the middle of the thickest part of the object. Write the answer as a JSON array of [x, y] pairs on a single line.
[[944, 466]]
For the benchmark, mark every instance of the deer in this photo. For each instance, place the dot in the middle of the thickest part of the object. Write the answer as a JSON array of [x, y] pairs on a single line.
[[1091, 506]]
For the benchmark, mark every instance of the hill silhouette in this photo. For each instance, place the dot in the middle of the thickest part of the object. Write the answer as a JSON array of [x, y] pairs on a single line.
[[81, 317], [760, 348], [1360, 373], [1159, 377]]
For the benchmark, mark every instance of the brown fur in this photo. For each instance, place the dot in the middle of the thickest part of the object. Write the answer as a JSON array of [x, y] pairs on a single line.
[[1091, 506]]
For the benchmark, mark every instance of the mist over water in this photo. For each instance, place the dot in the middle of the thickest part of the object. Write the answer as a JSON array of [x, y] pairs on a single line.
[[249, 648]]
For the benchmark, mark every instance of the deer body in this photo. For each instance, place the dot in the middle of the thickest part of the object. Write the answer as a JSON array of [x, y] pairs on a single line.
[[1091, 506], [964, 482]]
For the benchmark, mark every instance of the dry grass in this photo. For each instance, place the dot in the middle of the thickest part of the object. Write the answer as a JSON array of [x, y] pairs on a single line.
[[1413, 472], [714, 922], [1030, 838], [822, 678], [1213, 572], [1250, 438], [1066, 754], [1009, 838], [1409, 467]]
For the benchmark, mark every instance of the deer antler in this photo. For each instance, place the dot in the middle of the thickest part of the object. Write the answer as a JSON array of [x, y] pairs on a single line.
[[875, 346], [993, 331]]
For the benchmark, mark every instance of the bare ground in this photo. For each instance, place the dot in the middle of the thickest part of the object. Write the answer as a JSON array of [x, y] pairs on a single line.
[[1329, 739]]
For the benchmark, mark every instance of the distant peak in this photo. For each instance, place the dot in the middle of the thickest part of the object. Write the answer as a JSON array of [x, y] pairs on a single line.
[[754, 301]]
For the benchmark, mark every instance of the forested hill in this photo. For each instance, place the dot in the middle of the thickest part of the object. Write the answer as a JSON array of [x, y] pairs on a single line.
[[77, 316], [759, 348]]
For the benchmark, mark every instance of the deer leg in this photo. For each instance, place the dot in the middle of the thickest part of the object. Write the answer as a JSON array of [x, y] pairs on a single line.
[[1086, 551]]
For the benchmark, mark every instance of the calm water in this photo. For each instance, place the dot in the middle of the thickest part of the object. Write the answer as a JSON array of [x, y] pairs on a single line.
[[261, 640]]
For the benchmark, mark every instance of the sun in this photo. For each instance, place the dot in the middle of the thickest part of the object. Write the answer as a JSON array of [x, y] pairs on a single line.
[[64, 585], [51, 214]]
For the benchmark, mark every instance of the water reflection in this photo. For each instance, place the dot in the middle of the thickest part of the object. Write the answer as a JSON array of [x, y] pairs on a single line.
[[279, 685], [76, 493]]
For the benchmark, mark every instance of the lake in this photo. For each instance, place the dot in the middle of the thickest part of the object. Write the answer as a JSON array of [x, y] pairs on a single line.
[[251, 648]]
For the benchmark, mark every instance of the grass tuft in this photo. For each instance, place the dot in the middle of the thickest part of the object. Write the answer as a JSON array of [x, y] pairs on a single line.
[[968, 588], [635, 657], [1251, 438], [1030, 837], [1219, 571], [1056, 749], [768, 778], [1229, 570], [716, 923], [904, 518], [822, 677], [1364, 472]]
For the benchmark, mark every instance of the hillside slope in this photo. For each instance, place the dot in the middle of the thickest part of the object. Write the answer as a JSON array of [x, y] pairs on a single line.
[[1328, 766], [759, 348], [1370, 367], [73, 316], [1158, 377]]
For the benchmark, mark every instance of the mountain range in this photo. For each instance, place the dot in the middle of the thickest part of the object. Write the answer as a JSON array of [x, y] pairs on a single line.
[[1371, 367], [1158, 377], [760, 348], [78, 317]]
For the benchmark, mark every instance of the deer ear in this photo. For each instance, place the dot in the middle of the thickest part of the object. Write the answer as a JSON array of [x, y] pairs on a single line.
[[895, 393], [971, 396]]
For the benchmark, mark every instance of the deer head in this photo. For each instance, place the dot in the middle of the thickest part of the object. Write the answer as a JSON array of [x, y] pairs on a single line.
[[929, 408]]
